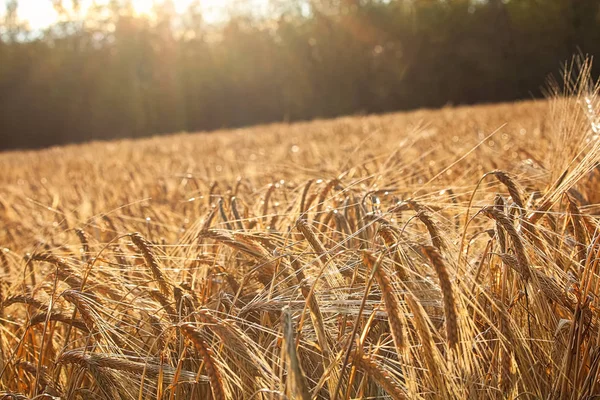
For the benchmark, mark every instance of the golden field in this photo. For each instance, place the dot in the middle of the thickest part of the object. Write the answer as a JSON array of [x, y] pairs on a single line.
[[448, 253]]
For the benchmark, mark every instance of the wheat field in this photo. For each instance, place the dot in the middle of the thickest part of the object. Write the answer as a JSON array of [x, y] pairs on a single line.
[[448, 254]]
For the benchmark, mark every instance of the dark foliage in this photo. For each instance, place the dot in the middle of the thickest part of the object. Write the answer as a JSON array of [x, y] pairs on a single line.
[[118, 75]]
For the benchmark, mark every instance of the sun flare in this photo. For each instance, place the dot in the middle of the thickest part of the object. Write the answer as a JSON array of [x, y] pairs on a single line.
[[146, 6], [41, 14], [212, 10]]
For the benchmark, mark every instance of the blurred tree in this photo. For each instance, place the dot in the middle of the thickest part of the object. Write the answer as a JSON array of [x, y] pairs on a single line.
[[105, 72]]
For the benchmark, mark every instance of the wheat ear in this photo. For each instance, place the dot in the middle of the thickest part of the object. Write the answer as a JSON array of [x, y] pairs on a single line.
[[447, 293]]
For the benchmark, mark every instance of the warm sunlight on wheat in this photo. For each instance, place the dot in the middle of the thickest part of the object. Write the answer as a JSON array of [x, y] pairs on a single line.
[[433, 254]]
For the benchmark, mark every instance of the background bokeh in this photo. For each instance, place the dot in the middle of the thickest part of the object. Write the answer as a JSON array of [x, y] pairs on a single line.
[[110, 72]]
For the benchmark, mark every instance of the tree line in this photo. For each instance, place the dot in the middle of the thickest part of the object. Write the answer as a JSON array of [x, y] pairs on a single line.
[[113, 73]]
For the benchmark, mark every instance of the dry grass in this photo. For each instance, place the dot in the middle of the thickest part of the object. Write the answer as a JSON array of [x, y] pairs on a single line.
[[433, 254]]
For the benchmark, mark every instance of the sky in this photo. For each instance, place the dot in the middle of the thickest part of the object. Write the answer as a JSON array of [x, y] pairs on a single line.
[[40, 13]]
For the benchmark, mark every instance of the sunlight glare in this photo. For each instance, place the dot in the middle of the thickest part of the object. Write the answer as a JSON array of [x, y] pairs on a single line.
[[144, 7], [40, 14], [37, 14]]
